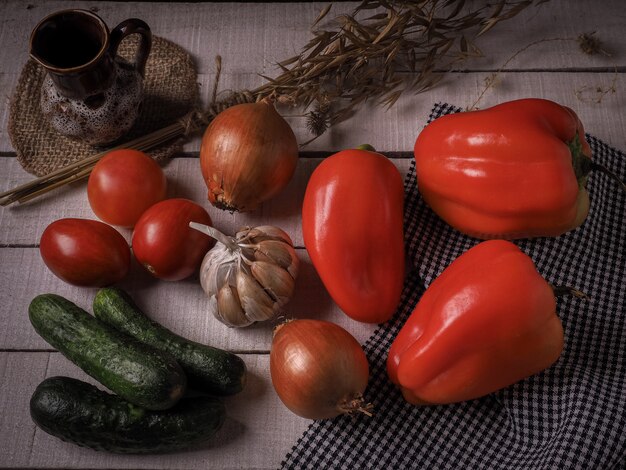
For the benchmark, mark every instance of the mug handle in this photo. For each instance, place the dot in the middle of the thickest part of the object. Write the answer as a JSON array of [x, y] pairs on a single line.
[[132, 26]]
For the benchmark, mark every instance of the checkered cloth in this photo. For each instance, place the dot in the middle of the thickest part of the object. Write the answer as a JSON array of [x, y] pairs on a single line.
[[571, 416]]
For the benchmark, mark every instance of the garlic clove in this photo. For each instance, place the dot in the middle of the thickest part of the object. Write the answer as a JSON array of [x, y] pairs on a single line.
[[274, 279], [294, 268], [274, 232], [281, 253], [256, 303], [260, 256], [257, 311], [229, 310], [244, 234], [217, 269]]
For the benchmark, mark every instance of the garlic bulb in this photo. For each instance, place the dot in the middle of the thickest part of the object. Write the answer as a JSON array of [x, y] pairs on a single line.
[[248, 277]]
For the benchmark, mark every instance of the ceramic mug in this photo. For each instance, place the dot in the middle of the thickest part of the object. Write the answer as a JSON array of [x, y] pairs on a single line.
[[90, 93]]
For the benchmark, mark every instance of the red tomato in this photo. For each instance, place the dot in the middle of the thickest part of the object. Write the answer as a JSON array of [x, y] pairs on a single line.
[[85, 252], [123, 184], [164, 243]]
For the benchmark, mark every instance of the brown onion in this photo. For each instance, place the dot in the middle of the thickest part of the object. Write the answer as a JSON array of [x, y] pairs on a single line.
[[248, 154], [318, 369]]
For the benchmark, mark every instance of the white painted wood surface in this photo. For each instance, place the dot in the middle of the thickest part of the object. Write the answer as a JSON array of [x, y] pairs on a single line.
[[251, 38]]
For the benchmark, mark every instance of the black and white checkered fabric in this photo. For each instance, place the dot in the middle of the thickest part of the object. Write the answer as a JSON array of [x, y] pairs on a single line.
[[571, 416]]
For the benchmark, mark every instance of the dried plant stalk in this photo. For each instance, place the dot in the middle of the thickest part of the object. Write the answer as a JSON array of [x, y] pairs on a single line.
[[381, 51]]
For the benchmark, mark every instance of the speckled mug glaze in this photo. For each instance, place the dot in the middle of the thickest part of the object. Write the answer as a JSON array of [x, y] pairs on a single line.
[[89, 94]]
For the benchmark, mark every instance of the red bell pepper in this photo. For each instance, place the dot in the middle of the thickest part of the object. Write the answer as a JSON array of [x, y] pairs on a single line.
[[488, 321], [352, 223], [515, 170]]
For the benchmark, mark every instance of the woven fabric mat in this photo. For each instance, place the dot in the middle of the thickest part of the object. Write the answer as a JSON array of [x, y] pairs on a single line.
[[571, 416], [170, 92]]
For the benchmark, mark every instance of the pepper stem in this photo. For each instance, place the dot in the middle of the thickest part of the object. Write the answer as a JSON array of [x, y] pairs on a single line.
[[367, 147], [583, 165], [566, 290], [212, 232], [602, 169]]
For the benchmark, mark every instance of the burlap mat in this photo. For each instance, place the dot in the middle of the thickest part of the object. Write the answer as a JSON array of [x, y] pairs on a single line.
[[170, 92]]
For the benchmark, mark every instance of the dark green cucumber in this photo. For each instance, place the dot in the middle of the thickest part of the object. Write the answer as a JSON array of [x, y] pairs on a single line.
[[208, 369], [142, 375], [78, 412]]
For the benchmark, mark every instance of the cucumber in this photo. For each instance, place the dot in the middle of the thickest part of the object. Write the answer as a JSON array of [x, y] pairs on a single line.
[[142, 375], [208, 369], [78, 412]]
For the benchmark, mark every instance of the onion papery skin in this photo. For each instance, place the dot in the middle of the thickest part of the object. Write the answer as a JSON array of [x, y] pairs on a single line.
[[318, 369], [248, 155]]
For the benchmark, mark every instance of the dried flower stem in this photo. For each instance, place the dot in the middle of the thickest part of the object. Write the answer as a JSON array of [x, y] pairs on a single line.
[[587, 42], [600, 91], [490, 80]]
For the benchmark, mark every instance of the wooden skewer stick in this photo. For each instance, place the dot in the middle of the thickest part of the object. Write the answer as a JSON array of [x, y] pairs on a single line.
[[82, 168], [73, 177]]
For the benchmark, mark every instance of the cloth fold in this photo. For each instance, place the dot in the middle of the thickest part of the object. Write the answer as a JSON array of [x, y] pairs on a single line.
[[572, 415]]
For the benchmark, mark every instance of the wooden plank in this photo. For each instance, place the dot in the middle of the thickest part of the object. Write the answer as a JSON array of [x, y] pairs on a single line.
[[266, 33], [254, 45], [20, 372], [396, 129], [180, 306], [258, 431], [23, 225], [251, 38]]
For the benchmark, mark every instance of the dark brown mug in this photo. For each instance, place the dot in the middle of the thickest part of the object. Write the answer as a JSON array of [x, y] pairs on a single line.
[[79, 54]]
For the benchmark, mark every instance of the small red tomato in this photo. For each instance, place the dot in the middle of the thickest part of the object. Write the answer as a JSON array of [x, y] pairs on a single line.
[[123, 184], [164, 243], [85, 252]]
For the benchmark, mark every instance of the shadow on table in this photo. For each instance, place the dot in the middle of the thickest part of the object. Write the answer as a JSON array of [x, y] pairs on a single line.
[[237, 406]]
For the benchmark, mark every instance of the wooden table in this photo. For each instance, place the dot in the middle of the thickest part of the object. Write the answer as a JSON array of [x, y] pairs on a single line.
[[251, 38]]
